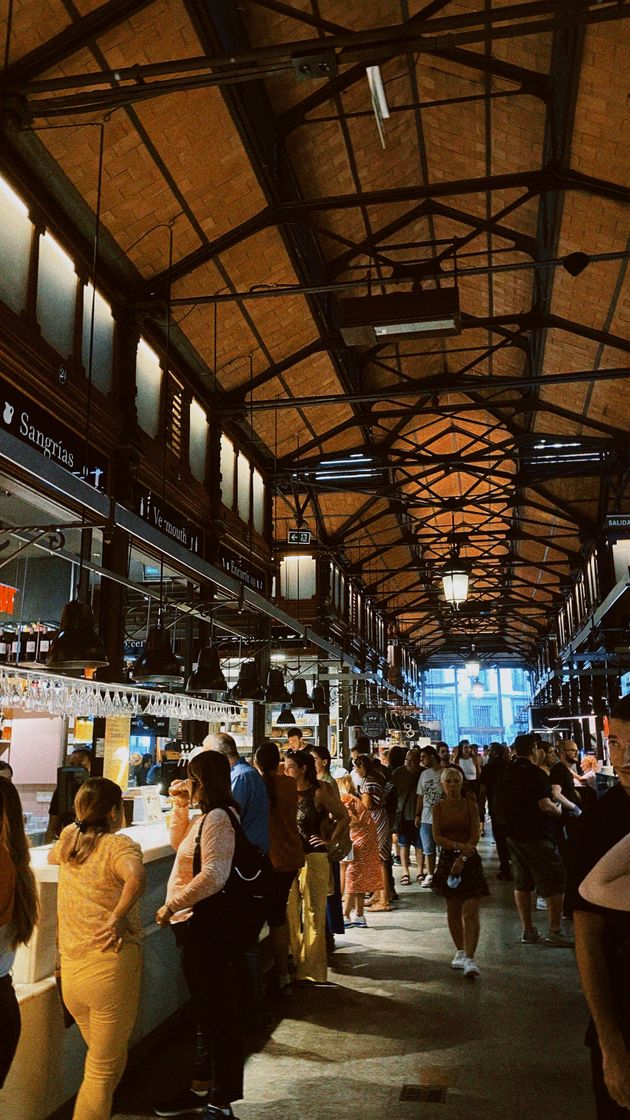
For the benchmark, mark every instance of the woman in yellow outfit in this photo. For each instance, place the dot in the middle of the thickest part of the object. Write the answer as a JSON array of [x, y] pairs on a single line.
[[101, 878]]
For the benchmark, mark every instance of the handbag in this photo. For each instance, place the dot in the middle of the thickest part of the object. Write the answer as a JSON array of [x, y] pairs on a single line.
[[240, 908]]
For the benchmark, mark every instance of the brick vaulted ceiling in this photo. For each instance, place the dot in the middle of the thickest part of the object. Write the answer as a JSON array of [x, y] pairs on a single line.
[[505, 152]]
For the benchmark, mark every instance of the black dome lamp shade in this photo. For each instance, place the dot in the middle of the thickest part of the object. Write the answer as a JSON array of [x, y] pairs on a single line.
[[157, 664], [286, 717], [248, 686], [276, 691], [354, 717], [320, 701], [300, 697], [208, 676], [77, 645]]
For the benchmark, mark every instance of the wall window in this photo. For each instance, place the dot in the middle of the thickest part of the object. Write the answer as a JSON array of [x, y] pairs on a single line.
[[198, 441], [56, 295], [228, 465], [174, 414], [298, 577], [243, 486], [148, 386], [16, 234], [258, 501], [103, 340]]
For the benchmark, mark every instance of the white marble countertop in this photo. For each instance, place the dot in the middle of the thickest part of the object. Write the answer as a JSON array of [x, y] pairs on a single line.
[[152, 838]]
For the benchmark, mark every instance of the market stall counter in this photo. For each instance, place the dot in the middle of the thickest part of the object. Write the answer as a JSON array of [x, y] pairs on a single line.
[[48, 1066]]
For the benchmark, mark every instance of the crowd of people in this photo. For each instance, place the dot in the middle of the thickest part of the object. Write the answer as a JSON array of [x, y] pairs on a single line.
[[329, 842]]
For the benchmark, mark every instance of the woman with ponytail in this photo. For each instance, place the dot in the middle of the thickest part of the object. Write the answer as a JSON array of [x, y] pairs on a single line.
[[18, 914], [101, 878]]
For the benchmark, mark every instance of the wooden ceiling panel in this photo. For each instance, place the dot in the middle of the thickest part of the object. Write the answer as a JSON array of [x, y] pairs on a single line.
[[197, 157]]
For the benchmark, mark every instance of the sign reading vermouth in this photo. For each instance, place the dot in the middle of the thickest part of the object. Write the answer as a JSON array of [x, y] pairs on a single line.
[[168, 521], [31, 424]]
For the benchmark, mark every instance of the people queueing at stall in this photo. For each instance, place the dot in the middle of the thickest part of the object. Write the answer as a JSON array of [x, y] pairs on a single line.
[[545, 817]]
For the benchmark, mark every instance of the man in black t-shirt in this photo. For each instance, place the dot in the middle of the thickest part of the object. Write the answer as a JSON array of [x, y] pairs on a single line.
[[602, 936], [561, 774], [523, 799], [490, 774]]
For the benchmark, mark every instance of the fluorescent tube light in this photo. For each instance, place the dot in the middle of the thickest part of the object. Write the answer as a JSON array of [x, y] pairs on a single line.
[[375, 82]]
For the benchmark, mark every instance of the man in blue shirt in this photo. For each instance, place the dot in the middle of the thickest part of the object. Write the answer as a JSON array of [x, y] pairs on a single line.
[[248, 789]]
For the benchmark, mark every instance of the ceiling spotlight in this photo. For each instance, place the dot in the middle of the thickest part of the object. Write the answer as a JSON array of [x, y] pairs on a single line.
[[575, 263]]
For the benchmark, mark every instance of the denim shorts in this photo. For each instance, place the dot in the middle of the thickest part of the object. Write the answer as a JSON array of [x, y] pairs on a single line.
[[427, 842]]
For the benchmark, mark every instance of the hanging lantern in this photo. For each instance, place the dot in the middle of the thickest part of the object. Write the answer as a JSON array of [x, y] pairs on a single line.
[[248, 686], [157, 663], [208, 676], [286, 717], [276, 691], [320, 701], [455, 575], [77, 646], [476, 689], [299, 696]]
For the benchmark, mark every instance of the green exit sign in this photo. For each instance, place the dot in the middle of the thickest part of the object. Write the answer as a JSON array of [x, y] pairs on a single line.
[[299, 536]]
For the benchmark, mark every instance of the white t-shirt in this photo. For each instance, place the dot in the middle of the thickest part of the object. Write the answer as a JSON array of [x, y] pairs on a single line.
[[429, 788], [469, 768]]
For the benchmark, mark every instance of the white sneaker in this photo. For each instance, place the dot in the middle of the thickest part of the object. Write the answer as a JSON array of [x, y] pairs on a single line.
[[470, 968], [426, 882], [459, 960], [541, 903]]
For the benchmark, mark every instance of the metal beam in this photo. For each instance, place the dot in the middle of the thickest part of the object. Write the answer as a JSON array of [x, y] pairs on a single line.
[[434, 385], [80, 33]]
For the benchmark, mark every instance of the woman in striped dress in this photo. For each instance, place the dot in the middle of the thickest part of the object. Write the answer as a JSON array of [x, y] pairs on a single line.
[[372, 791]]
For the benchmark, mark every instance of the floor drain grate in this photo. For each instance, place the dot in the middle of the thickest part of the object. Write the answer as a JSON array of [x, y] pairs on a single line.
[[425, 1095]]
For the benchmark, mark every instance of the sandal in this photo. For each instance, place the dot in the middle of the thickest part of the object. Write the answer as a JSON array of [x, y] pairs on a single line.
[[405, 881], [419, 878]]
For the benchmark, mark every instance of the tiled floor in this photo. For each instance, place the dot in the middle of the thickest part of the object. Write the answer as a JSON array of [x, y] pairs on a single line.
[[507, 1046]]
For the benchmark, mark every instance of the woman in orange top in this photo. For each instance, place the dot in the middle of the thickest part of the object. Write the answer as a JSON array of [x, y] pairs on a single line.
[[285, 852], [363, 871]]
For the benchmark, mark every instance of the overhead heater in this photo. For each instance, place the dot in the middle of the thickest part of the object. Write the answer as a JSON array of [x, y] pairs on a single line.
[[395, 316]]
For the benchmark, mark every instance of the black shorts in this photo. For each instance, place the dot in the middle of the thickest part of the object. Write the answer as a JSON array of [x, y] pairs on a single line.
[[408, 834], [281, 882]]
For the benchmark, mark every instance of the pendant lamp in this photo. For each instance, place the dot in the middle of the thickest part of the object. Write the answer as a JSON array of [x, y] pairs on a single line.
[[157, 664], [353, 718], [248, 686], [208, 676], [320, 701], [454, 576], [286, 717], [300, 697], [276, 691], [77, 646]]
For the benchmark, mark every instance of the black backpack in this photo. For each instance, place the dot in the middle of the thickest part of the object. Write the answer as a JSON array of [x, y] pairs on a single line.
[[245, 896]]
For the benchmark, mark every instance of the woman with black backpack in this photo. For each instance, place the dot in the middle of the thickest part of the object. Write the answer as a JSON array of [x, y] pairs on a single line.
[[203, 918]]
